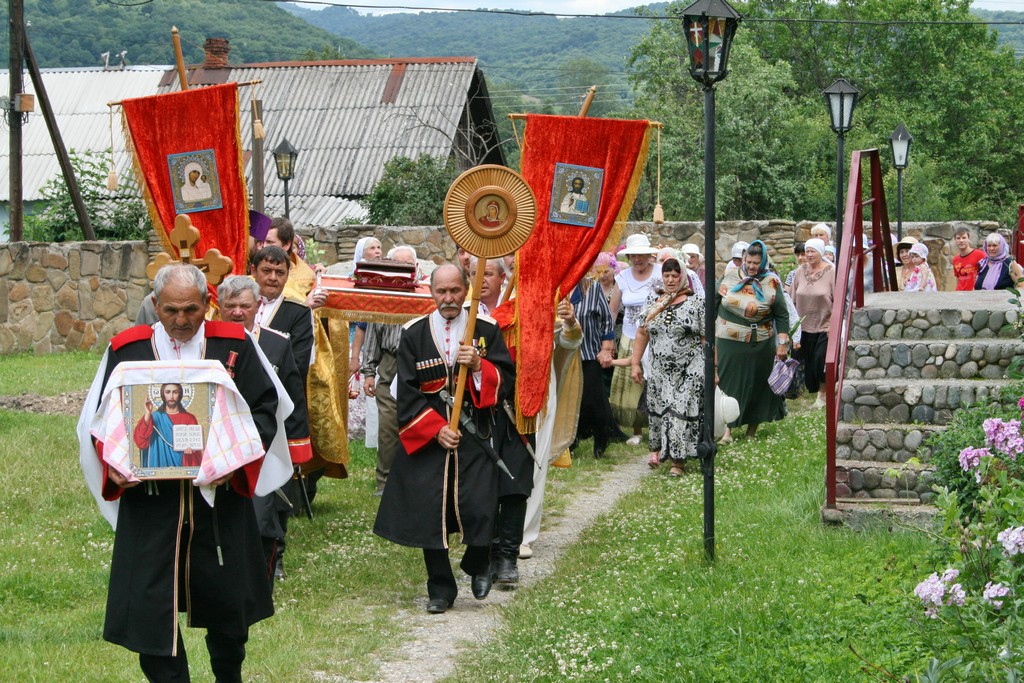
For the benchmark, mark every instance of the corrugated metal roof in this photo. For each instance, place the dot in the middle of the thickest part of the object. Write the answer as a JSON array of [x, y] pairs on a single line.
[[334, 113], [79, 99]]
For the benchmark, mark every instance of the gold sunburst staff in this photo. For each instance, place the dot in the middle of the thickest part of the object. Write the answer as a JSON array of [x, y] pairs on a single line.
[[463, 209]]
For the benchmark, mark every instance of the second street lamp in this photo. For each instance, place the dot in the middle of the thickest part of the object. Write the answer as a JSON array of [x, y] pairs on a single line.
[[284, 159], [841, 98], [709, 26], [899, 142]]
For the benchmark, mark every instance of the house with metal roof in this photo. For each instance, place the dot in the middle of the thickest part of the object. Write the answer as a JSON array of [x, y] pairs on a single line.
[[346, 118]]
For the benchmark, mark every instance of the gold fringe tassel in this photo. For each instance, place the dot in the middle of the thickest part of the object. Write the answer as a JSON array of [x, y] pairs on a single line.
[[240, 168], [257, 126], [112, 176]]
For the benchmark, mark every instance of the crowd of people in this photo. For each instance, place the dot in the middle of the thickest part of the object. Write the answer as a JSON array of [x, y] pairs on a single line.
[[634, 327]]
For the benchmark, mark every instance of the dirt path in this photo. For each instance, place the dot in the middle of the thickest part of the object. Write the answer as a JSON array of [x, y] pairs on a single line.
[[430, 648], [65, 404]]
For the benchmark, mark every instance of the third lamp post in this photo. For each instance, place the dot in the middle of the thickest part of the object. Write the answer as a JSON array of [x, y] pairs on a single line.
[[899, 142]]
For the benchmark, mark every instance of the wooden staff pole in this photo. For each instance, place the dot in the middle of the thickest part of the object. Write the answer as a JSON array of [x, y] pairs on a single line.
[[179, 59], [474, 306], [591, 91]]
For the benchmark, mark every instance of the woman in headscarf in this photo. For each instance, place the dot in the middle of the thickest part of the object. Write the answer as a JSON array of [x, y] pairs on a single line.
[[672, 327], [813, 292], [997, 270], [367, 249], [752, 313]]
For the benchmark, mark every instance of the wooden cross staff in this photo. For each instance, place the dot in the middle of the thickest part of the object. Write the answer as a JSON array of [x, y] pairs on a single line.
[[184, 237]]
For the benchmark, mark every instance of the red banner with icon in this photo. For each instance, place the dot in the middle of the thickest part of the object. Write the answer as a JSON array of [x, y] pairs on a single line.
[[563, 159], [187, 154]]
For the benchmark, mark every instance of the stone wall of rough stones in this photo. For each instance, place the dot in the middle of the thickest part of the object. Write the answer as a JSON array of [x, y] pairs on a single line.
[[56, 297]]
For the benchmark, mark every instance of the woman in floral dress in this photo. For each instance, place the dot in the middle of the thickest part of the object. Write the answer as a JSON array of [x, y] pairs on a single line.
[[671, 325]]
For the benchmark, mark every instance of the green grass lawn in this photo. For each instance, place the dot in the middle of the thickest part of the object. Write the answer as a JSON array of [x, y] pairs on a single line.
[[634, 599], [784, 600]]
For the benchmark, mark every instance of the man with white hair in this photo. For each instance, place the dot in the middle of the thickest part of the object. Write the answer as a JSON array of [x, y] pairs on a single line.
[[239, 298], [379, 366], [173, 551], [443, 480]]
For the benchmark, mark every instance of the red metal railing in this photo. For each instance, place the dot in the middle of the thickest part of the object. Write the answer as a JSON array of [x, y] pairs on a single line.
[[849, 291]]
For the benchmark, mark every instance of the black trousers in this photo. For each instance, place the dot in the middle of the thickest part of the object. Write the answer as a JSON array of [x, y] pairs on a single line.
[[812, 352], [595, 411], [226, 656], [476, 560]]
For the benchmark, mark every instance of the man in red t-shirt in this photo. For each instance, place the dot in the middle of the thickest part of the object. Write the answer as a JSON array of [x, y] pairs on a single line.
[[965, 263]]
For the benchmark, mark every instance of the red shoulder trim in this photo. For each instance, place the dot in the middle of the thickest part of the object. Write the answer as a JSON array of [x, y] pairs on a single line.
[[132, 334], [225, 330]]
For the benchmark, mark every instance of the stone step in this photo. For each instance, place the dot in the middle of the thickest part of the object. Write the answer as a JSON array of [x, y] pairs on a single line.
[[930, 401], [934, 315], [864, 479], [884, 442], [931, 358], [874, 514]]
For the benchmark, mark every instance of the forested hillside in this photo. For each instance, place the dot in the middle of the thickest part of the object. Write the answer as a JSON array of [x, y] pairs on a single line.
[[550, 59], [72, 33]]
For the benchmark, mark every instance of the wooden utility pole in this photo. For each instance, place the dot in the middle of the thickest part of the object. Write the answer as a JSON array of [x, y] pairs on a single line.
[[58, 143], [16, 31]]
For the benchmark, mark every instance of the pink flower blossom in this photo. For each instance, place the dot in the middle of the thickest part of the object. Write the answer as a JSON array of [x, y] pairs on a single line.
[[931, 591], [1012, 540], [956, 595], [994, 592], [1005, 437], [971, 457]]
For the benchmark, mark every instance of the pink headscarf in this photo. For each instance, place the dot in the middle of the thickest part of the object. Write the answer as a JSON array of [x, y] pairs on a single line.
[[608, 260]]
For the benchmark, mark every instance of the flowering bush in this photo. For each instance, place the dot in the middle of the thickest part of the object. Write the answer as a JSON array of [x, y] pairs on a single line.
[[979, 598]]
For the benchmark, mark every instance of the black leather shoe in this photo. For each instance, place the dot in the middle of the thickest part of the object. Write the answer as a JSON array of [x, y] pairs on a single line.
[[481, 585], [438, 606], [279, 569], [507, 572], [598, 453]]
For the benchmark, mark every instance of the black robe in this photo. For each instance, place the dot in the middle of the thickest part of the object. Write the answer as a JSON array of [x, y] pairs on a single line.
[[413, 507], [165, 554], [296, 321]]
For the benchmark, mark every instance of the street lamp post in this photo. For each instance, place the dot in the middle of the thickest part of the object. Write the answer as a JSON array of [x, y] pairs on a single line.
[[284, 159], [841, 98], [709, 26], [899, 142]]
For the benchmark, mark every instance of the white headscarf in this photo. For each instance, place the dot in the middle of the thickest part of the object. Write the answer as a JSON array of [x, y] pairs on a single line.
[[361, 247]]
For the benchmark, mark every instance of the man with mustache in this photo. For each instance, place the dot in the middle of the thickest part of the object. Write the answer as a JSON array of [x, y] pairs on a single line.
[[442, 480]]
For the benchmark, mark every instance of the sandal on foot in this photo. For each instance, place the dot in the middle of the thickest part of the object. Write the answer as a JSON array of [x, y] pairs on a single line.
[[654, 461], [676, 471]]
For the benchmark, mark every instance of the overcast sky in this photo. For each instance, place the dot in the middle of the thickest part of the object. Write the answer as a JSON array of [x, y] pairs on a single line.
[[574, 6]]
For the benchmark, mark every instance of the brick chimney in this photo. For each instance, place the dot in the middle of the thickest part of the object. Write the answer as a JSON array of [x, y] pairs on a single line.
[[217, 50]]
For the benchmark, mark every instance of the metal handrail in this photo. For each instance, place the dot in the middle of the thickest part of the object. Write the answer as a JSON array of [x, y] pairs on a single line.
[[849, 289]]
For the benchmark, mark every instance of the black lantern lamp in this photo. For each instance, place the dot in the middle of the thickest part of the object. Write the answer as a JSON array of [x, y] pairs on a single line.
[[709, 26], [899, 142], [841, 98], [284, 159]]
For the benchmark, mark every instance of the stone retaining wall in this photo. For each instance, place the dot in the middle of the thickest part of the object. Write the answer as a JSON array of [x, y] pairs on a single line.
[[873, 480], [76, 295]]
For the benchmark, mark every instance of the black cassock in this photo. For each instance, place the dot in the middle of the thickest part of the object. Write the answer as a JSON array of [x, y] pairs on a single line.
[[165, 554], [413, 508]]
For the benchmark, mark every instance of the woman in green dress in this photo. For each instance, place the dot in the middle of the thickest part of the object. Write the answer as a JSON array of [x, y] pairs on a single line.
[[751, 314]]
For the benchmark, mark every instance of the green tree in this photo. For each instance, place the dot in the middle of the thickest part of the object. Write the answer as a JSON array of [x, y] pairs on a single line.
[[113, 216], [412, 191]]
